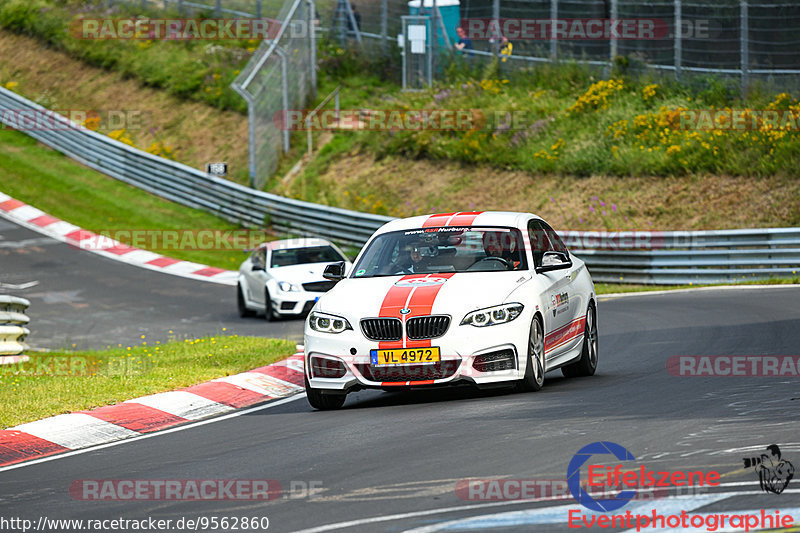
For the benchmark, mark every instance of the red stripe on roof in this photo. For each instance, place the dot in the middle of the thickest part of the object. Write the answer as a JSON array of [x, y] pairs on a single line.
[[136, 417], [18, 446], [437, 220], [464, 219]]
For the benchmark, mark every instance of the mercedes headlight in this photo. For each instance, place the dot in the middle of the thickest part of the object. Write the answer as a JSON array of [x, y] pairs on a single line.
[[326, 323], [285, 286], [490, 316]]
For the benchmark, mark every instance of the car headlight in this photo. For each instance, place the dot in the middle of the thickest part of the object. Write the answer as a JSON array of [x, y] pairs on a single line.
[[327, 323], [285, 286], [490, 316]]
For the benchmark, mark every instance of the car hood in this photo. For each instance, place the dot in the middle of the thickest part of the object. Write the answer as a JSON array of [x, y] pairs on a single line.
[[450, 294], [299, 273]]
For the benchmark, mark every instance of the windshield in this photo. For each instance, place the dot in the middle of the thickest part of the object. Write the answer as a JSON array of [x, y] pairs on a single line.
[[439, 250], [300, 256]]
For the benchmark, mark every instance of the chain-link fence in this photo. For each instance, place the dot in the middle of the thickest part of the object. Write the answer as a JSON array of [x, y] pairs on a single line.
[[280, 77], [740, 38]]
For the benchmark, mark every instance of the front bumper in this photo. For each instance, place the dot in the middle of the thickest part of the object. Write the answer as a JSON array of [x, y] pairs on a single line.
[[294, 303], [480, 356]]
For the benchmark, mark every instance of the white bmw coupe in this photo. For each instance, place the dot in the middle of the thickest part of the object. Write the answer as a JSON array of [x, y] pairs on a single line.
[[487, 298]]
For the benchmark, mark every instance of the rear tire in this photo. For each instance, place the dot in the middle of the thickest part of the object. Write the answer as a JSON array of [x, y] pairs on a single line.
[[324, 402], [534, 371], [240, 303], [587, 364], [269, 314]]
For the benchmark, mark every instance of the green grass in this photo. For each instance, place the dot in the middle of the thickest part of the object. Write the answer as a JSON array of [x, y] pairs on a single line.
[[114, 375], [60, 187], [614, 288]]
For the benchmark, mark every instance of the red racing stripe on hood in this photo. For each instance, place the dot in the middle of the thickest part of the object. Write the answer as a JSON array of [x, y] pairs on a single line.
[[418, 299]]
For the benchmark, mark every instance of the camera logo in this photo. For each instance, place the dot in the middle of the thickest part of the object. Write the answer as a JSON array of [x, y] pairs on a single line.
[[774, 473]]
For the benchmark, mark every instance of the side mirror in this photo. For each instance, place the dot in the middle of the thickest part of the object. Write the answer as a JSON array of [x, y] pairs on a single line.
[[554, 261], [334, 271]]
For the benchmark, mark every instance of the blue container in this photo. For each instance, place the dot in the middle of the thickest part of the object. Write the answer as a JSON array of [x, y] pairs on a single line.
[[450, 11]]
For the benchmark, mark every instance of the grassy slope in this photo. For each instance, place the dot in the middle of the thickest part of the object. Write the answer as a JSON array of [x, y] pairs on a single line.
[[59, 186], [127, 372]]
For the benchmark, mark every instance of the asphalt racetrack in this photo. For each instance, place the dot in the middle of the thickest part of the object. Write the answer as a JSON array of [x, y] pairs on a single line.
[[90, 301], [393, 461]]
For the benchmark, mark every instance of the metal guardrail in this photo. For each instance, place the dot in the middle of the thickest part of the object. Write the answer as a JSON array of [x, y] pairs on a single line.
[[12, 322], [189, 186], [652, 257], [688, 257]]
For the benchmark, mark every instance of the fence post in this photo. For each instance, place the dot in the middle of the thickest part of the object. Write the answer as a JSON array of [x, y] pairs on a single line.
[[312, 48], [219, 8], [744, 46], [613, 38], [434, 36], [496, 29], [553, 42], [678, 50], [384, 27], [285, 94], [258, 9]]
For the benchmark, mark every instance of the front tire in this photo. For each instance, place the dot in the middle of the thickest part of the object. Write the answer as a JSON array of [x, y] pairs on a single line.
[[587, 364], [269, 314], [324, 402], [534, 371]]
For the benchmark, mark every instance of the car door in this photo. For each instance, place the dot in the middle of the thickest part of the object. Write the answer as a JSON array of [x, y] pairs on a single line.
[[568, 298], [557, 312], [256, 279]]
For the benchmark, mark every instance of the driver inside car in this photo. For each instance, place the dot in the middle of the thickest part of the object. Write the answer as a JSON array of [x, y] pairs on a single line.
[[501, 245], [414, 259]]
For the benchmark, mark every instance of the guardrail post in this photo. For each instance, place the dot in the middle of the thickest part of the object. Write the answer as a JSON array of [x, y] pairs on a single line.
[[744, 46], [258, 9], [678, 51], [219, 8], [553, 42]]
